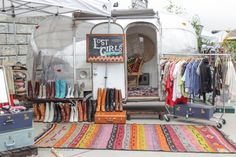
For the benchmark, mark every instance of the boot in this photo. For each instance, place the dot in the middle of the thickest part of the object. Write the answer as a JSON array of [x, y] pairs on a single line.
[[107, 100], [76, 89], [93, 111], [40, 91], [48, 90], [36, 112], [76, 114], [85, 111], [116, 100], [71, 114], [62, 89], [120, 101], [30, 89], [80, 110], [47, 112], [103, 99], [59, 115], [42, 111], [57, 83], [72, 93], [52, 90], [111, 100], [55, 113], [44, 92], [89, 109], [68, 92], [98, 108], [67, 111], [51, 114], [36, 89], [63, 113]]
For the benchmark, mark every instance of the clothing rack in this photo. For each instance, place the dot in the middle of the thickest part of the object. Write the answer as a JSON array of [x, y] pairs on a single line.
[[219, 121]]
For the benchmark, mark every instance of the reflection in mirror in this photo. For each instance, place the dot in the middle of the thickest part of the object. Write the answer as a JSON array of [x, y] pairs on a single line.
[[4, 98]]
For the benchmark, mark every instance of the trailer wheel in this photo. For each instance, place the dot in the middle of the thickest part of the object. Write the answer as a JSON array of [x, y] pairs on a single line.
[[219, 126], [223, 121], [166, 118]]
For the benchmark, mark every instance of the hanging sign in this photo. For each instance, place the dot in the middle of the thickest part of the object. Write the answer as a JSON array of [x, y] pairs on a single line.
[[105, 48]]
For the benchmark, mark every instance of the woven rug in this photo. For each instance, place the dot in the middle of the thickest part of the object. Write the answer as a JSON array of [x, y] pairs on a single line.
[[170, 138]]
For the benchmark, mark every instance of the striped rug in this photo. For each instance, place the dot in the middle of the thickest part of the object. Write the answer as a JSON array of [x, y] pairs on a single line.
[[149, 137]]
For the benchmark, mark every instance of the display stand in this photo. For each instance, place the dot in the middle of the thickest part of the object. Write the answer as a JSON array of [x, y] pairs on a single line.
[[219, 121]]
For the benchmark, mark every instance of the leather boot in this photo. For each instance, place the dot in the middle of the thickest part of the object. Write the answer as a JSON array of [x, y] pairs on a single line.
[[52, 90], [76, 113], [55, 113], [57, 83], [120, 101], [36, 89], [67, 111], [72, 93], [107, 107], [111, 99], [89, 110], [99, 97], [36, 112], [103, 102], [76, 91], [72, 114], [51, 114], [42, 111], [63, 113], [62, 89], [59, 115], [80, 110], [44, 92], [30, 89], [68, 92], [84, 111], [93, 111], [48, 90], [47, 112], [116, 100]]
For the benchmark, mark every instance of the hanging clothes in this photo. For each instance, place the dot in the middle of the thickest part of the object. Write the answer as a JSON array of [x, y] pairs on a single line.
[[230, 80], [205, 77]]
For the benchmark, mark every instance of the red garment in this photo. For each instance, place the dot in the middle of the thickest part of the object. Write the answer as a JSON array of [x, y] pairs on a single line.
[[169, 89]]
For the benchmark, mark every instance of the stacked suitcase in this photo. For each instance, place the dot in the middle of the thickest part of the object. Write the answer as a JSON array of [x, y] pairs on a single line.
[[16, 130]]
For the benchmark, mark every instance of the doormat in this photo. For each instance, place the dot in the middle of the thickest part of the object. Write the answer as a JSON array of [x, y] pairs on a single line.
[[142, 92], [145, 137]]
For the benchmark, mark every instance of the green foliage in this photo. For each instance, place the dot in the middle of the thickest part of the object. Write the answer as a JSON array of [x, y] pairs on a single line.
[[198, 30], [174, 8]]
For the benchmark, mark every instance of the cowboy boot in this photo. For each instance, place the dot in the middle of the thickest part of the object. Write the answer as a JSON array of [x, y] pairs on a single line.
[[76, 89], [51, 114], [42, 111], [98, 108], [103, 99], [89, 109], [76, 114], [120, 101], [52, 94], [40, 91], [107, 99], [30, 89], [80, 110], [36, 89], [111, 100], [57, 84], [36, 112], [47, 112], [116, 100], [62, 89], [55, 113], [84, 111], [68, 92], [59, 115], [63, 113], [44, 92], [72, 93], [48, 90], [71, 114], [67, 111], [93, 111]]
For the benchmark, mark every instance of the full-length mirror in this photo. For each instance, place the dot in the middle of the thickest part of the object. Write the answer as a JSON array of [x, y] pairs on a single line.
[[4, 97]]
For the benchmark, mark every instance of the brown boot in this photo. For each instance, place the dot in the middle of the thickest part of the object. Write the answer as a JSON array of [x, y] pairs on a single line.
[[36, 89], [48, 90], [36, 113], [116, 100], [67, 112], [80, 110], [84, 111], [30, 89], [42, 111], [99, 100], [63, 114], [104, 93], [120, 101], [52, 90]]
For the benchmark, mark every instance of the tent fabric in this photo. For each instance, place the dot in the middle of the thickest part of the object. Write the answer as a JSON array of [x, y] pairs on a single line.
[[49, 7]]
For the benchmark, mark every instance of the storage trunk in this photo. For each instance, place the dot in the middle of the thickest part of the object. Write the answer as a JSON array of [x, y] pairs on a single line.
[[110, 117], [16, 121], [16, 139], [201, 111]]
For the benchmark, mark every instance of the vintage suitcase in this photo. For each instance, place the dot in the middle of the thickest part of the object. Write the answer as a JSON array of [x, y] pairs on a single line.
[[110, 117], [16, 139], [201, 111], [16, 121]]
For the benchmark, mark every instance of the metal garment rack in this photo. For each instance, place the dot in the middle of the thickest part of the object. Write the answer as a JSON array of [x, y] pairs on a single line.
[[219, 121]]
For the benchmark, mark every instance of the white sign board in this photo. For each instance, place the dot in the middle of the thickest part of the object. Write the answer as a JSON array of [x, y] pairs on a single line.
[[3, 86]]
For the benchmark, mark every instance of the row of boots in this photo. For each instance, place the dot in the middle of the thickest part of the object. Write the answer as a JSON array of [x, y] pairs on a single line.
[[109, 99], [53, 89], [51, 112]]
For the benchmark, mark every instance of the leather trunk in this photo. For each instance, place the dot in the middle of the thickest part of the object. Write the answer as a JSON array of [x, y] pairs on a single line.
[[16, 121], [110, 117], [201, 111], [16, 139]]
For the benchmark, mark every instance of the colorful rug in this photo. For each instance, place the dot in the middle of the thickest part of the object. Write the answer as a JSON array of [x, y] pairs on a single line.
[[170, 138], [142, 92]]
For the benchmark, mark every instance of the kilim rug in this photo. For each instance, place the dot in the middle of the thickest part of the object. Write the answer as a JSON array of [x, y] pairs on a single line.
[[170, 138]]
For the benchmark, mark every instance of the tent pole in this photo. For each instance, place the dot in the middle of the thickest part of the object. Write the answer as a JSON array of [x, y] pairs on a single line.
[[108, 32], [74, 51]]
